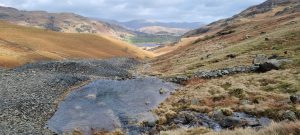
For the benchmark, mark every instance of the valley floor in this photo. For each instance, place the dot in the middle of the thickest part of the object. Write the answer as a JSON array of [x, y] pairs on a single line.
[[30, 95], [243, 67]]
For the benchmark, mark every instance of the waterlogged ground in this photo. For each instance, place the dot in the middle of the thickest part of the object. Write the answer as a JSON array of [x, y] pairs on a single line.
[[110, 104]]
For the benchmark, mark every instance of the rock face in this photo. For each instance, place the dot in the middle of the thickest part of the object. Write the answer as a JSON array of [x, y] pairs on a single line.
[[265, 7]]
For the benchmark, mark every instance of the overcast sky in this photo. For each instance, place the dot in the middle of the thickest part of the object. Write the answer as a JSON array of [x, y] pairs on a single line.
[[123, 10]]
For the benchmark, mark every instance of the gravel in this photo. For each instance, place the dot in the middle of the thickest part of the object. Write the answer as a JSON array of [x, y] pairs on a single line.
[[29, 94]]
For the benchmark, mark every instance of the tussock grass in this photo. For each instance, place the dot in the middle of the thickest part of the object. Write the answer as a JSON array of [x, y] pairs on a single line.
[[282, 128], [241, 92]]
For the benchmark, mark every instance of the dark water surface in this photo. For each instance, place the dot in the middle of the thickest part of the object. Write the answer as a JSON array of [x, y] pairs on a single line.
[[110, 104]]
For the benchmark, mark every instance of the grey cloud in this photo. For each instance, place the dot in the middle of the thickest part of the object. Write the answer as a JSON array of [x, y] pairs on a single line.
[[162, 10]]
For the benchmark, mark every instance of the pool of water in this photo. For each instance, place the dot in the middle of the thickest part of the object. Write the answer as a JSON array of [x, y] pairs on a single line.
[[107, 105]]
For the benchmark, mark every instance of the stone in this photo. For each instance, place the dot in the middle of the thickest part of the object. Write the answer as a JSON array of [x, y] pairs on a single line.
[[252, 122], [295, 98], [245, 102], [217, 115], [179, 79], [185, 117], [149, 123], [161, 91], [232, 122], [231, 56], [263, 32], [147, 103], [260, 59], [289, 115], [267, 39]]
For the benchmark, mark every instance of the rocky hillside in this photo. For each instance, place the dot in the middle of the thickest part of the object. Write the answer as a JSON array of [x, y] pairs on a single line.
[[62, 22], [20, 45], [267, 9], [266, 12], [247, 63]]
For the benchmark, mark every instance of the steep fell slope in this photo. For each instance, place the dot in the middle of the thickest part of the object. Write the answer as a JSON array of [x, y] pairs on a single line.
[[210, 64], [243, 35], [19, 45]]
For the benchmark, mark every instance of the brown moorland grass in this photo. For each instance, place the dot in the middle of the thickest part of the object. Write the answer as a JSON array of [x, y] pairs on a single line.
[[19, 45], [282, 128], [282, 33], [230, 92]]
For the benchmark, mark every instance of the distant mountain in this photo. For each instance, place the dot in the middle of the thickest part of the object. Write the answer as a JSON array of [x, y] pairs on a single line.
[[137, 24], [153, 27], [62, 22], [159, 30], [73, 23]]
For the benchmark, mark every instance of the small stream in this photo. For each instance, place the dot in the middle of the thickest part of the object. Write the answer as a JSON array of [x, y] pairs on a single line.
[[106, 105]]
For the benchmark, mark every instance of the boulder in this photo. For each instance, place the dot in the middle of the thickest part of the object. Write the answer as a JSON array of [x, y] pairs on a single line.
[[272, 64], [265, 64]]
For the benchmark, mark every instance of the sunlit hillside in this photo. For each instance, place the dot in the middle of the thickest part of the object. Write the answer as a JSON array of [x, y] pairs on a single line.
[[19, 45]]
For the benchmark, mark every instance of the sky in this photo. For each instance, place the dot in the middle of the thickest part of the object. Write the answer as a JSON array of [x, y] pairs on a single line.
[[157, 10]]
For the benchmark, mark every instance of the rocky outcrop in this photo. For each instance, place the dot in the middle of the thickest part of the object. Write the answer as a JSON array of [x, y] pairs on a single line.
[[265, 7], [267, 64]]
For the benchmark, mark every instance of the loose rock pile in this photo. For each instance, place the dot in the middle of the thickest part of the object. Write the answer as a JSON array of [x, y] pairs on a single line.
[[28, 94], [225, 71]]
